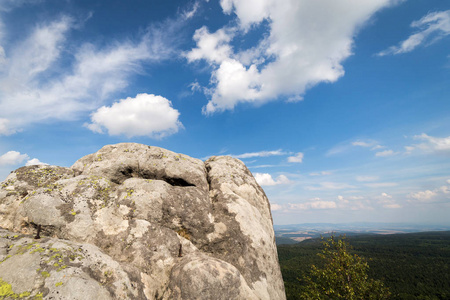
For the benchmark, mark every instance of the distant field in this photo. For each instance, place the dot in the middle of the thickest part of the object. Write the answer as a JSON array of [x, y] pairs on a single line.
[[412, 265]]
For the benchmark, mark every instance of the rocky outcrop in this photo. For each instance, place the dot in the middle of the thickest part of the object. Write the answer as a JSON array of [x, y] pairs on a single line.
[[137, 222]]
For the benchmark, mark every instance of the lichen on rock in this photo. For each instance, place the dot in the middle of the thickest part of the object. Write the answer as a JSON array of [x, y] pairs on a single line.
[[137, 222]]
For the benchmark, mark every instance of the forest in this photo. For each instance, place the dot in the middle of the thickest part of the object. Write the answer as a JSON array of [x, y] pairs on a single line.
[[411, 265]]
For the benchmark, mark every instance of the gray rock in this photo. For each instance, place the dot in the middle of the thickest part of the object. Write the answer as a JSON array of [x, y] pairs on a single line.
[[150, 223]]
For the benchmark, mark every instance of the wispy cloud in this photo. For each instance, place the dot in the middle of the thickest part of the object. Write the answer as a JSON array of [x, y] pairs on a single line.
[[330, 186], [386, 153], [322, 173], [366, 178], [278, 152], [42, 80], [430, 144], [431, 28], [381, 184], [315, 203]]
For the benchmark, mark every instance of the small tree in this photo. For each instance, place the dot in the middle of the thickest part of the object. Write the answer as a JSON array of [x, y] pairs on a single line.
[[344, 276]]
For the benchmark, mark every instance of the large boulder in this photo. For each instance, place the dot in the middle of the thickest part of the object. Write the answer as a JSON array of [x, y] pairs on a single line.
[[137, 222]]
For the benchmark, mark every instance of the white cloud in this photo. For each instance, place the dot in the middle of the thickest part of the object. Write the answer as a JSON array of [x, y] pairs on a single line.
[[352, 202], [366, 178], [330, 186], [34, 161], [322, 173], [189, 13], [432, 27], [265, 179], [376, 147], [278, 152], [385, 153], [4, 127], [363, 144], [7, 5], [212, 47], [387, 201], [305, 44], [430, 144], [275, 207], [315, 203], [145, 115], [45, 77], [297, 158], [441, 194], [12, 158], [381, 184], [423, 196]]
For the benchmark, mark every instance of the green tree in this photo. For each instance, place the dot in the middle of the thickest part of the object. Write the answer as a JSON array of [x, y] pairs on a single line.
[[343, 276]]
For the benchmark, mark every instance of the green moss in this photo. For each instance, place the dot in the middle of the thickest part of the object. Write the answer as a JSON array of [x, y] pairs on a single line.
[[38, 249], [8, 256], [61, 268], [24, 294], [45, 274], [38, 296], [58, 284], [7, 292]]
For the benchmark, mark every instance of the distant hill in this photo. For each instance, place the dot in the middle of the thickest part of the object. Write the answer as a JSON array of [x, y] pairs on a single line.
[[412, 265], [301, 232]]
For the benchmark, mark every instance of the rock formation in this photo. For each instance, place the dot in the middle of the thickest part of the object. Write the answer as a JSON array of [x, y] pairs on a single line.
[[137, 222]]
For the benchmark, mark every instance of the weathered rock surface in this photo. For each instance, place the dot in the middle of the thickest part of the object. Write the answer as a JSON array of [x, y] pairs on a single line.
[[137, 222]]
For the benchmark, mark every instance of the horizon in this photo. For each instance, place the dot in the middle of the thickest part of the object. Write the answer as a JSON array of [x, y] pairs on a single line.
[[340, 109]]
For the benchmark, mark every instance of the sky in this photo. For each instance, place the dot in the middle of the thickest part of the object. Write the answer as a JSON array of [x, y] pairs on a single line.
[[340, 109]]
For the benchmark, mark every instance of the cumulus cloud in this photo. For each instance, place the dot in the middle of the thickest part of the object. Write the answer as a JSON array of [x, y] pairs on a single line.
[[304, 43], [212, 47], [423, 196], [431, 28], [278, 152], [265, 179], [440, 194], [297, 158], [12, 158], [145, 115], [430, 144], [34, 162]]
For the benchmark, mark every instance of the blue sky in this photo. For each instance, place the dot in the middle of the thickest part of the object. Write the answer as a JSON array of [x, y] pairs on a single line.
[[340, 109]]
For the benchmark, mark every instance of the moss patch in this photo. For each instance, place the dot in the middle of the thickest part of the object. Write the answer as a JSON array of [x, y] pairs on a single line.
[[7, 292]]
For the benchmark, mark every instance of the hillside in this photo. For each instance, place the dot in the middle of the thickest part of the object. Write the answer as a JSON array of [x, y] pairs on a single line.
[[412, 265]]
